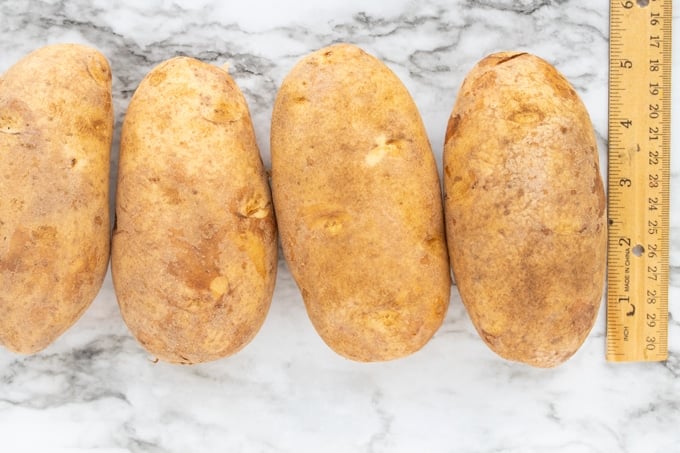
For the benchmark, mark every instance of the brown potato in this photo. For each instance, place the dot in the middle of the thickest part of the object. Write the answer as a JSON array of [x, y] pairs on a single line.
[[358, 202], [525, 209], [56, 126], [194, 248]]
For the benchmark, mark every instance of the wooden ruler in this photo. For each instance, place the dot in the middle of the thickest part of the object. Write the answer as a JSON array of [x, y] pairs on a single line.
[[639, 178]]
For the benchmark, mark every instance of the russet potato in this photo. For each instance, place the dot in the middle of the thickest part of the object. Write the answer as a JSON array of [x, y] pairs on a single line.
[[525, 209], [56, 127], [358, 203], [194, 247]]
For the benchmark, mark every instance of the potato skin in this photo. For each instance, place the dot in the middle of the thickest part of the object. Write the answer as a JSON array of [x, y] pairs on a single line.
[[56, 127], [194, 248], [525, 209], [358, 201]]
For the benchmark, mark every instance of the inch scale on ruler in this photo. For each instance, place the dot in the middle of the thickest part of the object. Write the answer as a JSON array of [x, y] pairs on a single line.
[[638, 180]]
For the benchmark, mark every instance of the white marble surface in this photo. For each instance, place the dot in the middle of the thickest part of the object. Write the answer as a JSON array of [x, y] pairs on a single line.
[[95, 389]]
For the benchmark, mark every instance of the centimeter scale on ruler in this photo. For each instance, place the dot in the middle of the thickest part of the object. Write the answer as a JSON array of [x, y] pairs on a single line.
[[638, 180]]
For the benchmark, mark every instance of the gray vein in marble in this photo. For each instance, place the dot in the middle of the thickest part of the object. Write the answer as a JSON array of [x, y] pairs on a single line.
[[143, 446], [517, 6], [385, 419], [673, 364], [77, 385]]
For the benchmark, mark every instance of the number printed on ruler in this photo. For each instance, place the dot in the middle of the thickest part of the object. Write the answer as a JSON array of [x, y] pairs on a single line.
[[638, 182]]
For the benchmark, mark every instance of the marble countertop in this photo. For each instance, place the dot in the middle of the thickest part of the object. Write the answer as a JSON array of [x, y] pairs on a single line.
[[95, 389]]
